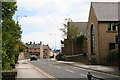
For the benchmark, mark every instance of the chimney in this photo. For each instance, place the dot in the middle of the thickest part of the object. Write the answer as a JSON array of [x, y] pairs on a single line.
[[30, 42], [34, 42], [40, 43]]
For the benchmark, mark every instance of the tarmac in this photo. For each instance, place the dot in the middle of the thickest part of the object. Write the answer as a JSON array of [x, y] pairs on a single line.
[[100, 68], [27, 70]]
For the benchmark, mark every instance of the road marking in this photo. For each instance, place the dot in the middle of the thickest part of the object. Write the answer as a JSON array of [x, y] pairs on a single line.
[[83, 75], [57, 67], [96, 71], [69, 70], [43, 72], [44, 62], [50, 65]]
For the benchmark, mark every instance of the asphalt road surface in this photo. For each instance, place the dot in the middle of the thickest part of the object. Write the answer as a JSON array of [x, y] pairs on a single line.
[[64, 72]]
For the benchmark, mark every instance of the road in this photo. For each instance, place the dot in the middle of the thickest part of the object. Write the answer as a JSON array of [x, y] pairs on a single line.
[[62, 71]]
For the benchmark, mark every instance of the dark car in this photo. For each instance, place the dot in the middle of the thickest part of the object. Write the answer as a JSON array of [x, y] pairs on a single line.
[[33, 57]]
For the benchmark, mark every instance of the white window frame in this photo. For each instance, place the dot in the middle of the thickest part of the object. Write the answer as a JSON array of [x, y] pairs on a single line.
[[111, 26]]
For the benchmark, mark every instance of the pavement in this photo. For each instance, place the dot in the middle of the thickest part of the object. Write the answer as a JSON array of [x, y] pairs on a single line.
[[26, 70], [106, 69]]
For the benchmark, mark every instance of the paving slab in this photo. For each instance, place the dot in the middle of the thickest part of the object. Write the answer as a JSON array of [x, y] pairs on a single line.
[[26, 70]]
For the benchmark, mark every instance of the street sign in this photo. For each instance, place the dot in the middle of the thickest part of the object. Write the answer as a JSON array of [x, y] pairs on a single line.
[[62, 45], [118, 39], [57, 51]]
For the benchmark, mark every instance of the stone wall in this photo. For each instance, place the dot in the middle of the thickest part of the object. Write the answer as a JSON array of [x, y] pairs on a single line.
[[67, 49], [81, 59]]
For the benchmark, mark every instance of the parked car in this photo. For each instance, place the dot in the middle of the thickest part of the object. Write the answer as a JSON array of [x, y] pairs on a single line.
[[33, 57]]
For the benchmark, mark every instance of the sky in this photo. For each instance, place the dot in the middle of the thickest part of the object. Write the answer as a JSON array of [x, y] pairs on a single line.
[[46, 17]]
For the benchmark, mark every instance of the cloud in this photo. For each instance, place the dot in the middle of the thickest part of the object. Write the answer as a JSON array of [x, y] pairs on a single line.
[[47, 16], [52, 40]]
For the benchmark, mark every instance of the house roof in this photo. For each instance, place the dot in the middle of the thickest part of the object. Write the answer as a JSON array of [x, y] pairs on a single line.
[[82, 26], [46, 47], [107, 11], [33, 45]]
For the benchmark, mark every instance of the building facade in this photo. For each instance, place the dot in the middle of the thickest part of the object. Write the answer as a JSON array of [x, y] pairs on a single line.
[[46, 51], [37, 49], [101, 30], [71, 48]]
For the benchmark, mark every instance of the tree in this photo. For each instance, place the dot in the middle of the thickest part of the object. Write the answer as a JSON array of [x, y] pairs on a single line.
[[72, 31], [80, 40], [73, 35], [11, 36], [65, 27]]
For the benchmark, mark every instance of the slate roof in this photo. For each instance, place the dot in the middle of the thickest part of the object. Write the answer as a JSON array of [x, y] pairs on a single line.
[[33, 45], [46, 47], [82, 26], [107, 11]]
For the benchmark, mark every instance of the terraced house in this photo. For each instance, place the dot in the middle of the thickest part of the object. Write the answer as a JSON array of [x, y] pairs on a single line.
[[101, 30], [41, 51]]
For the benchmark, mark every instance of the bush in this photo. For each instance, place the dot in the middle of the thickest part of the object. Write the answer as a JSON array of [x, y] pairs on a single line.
[[51, 56], [113, 57], [61, 57]]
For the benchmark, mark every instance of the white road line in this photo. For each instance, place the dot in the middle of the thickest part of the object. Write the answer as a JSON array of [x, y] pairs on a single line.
[[50, 65], [44, 62], [69, 70], [83, 75], [57, 67]]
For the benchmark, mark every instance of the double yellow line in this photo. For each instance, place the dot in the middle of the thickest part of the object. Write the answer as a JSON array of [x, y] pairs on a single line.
[[43, 72]]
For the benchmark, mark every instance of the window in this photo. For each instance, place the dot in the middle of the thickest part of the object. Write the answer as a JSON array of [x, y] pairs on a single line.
[[92, 40], [114, 28], [111, 46], [111, 27]]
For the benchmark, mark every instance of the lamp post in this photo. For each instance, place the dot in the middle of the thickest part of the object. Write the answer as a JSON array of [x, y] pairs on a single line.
[[19, 16], [55, 39]]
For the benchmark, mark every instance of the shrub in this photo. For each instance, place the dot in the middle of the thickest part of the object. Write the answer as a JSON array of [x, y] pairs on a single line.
[[51, 56], [60, 57], [113, 57]]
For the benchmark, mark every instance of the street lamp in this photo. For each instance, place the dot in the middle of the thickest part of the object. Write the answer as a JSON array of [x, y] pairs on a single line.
[[55, 39], [20, 16]]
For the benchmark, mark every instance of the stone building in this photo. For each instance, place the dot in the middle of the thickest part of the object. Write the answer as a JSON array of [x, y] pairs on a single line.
[[71, 48], [101, 30]]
